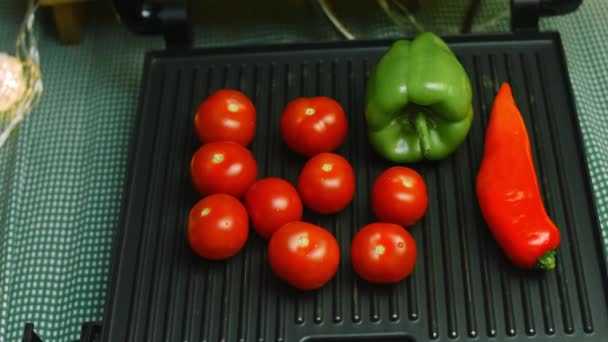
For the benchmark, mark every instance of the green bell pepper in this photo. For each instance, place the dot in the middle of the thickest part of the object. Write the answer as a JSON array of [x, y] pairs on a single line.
[[419, 101]]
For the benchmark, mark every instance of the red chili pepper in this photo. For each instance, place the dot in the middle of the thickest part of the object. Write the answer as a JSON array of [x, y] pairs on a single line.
[[508, 192]]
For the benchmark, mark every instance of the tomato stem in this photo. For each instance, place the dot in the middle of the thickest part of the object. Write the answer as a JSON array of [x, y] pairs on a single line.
[[303, 241]]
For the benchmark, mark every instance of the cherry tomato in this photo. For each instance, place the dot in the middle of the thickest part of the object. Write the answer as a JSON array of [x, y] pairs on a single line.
[[218, 227], [383, 253], [271, 203], [226, 115], [223, 167], [313, 125], [399, 196], [327, 183], [304, 255]]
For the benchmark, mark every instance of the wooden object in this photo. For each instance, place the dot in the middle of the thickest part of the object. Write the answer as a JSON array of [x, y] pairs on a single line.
[[68, 17]]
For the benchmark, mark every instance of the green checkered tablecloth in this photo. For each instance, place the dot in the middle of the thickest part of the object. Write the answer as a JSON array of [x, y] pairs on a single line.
[[61, 177]]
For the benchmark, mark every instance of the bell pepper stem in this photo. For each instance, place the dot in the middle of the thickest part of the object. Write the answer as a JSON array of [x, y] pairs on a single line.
[[422, 129], [547, 261]]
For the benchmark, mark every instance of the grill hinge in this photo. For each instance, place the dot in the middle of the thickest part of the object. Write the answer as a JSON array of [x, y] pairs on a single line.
[[526, 13], [171, 19]]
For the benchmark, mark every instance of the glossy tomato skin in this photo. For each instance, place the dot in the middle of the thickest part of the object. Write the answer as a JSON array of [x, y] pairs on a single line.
[[226, 115], [399, 196], [313, 125], [326, 183], [218, 227], [271, 203], [383, 253], [223, 167], [304, 255]]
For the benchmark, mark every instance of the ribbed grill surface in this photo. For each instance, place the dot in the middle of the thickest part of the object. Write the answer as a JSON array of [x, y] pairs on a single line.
[[463, 288]]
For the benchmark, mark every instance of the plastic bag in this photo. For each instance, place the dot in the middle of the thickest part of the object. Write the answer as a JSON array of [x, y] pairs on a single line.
[[20, 79]]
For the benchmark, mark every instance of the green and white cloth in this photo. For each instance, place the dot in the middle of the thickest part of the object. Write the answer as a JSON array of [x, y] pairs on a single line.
[[62, 175]]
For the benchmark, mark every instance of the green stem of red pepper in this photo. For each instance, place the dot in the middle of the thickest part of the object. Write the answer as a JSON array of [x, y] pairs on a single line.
[[547, 261]]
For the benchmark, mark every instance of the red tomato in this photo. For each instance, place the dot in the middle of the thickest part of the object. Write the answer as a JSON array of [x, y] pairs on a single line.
[[327, 183], [223, 167], [313, 125], [271, 203], [218, 227], [304, 255], [399, 196], [226, 115], [383, 253]]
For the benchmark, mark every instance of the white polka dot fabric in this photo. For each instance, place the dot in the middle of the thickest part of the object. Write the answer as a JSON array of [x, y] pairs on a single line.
[[584, 37]]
